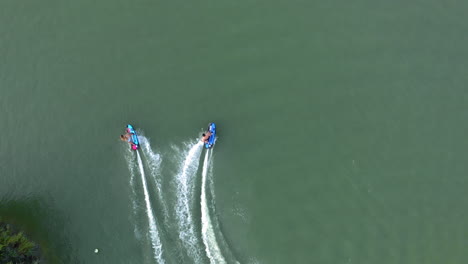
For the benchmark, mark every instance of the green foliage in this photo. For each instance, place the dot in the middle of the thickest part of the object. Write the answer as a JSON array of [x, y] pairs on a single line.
[[15, 247]]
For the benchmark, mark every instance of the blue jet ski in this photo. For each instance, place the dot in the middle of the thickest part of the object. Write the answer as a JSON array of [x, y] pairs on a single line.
[[211, 139], [134, 139]]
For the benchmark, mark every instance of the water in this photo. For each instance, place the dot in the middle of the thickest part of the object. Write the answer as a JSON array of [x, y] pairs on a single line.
[[341, 130], [185, 194], [153, 231], [154, 160], [130, 159], [209, 238]]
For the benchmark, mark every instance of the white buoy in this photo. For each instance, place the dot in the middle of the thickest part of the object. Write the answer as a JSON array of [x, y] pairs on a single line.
[[96, 251]]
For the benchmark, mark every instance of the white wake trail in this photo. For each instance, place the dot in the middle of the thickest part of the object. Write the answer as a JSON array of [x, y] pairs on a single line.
[[131, 167], [131, 164], [185, 183], [154, 164], [154, 234], [209, 238]]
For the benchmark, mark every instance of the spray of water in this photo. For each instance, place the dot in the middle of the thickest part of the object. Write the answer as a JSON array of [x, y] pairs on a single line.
[[185, 190], [154, 234], [131, 167], [209, 238], [153, 160]]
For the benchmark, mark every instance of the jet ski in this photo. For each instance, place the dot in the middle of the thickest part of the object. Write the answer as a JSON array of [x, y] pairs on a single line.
[[134, 138], [211, 140]]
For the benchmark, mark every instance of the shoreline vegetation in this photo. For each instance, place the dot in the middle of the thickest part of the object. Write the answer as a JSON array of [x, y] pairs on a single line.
[[15, 247]]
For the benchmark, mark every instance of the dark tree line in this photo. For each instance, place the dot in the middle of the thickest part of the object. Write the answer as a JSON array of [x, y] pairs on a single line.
[[15, 247]]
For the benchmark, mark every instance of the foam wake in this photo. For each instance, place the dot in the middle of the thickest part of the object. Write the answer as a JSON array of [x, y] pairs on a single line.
[[154, 234], [131, 167], [185, 183], [209, 238], [153, 161]]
